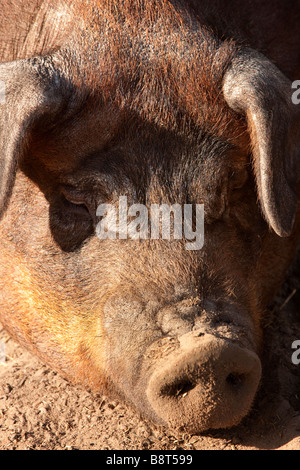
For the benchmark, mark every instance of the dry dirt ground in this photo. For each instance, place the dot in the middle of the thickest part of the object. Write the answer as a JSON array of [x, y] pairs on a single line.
[[40, 410]]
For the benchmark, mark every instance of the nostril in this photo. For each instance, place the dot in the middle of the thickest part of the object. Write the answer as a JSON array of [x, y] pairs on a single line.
[[236, 380], [177, 389]]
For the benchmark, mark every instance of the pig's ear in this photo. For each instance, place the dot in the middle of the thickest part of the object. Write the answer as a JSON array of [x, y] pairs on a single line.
[[29, 90], [253, 86]]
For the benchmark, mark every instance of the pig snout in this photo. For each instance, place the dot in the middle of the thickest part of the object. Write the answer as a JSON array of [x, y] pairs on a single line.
[[208, 383]]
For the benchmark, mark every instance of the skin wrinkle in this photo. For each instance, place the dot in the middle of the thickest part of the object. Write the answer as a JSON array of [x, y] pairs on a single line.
[[41, 27]]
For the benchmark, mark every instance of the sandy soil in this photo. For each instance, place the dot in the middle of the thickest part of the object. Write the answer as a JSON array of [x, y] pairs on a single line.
[[40, 410]]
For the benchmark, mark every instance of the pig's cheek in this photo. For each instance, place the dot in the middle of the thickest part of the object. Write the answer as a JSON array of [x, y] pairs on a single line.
[[128, 330]]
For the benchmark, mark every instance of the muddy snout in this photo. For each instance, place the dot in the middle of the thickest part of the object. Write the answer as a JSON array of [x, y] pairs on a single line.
[[209, 383]]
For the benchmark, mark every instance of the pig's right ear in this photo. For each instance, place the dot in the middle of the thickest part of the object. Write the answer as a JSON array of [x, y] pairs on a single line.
[[256, 88], [29, 90]]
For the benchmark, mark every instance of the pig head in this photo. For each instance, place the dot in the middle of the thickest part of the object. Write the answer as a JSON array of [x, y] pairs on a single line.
[[175, 333]]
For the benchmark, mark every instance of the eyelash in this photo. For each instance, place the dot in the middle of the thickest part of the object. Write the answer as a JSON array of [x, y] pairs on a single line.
[[74, 203]]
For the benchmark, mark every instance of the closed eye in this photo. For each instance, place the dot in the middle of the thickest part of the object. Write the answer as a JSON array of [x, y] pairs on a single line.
[[76, 209], [75, 203], [238, 179]]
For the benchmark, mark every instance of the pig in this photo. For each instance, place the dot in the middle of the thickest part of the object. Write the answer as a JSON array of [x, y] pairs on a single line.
[[161, 102]]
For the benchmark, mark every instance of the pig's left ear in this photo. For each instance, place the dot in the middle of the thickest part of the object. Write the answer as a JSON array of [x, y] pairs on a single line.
[[255, 87], [29, 91]]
